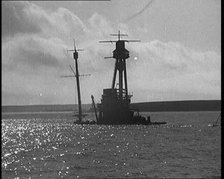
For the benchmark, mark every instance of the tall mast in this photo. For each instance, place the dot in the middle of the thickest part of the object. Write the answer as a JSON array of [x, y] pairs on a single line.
[[75, 56], [78, 85]]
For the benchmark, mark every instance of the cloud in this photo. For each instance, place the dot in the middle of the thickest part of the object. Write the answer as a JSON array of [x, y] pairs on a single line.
[[33, 61], [171, 67], [34, 57], [15, 21], [26, 17], [33, 51], [140, 12], [99, 25], [61, 23]]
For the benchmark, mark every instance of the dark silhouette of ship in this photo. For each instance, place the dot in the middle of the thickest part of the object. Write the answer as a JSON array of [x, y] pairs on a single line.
[[114, 108]]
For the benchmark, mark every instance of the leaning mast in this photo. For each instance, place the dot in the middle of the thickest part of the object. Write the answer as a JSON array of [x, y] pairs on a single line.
[[75, 56]]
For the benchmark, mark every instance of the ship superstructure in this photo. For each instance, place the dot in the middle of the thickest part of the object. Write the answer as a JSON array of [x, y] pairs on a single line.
[[115, 103], [114, 108]]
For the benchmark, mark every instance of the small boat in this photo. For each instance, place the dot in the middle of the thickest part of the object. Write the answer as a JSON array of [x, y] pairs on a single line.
[[85, 122], [216, 122], [215, 125], [156, 123]]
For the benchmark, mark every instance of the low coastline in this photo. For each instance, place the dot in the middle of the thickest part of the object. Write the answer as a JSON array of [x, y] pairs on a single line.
[[160, 106]]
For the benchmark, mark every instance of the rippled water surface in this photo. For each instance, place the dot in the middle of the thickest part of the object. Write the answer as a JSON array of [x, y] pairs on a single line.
[[48, 145]]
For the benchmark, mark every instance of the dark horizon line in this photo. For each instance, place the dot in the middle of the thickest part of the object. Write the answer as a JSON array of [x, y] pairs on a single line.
[[91, 103]]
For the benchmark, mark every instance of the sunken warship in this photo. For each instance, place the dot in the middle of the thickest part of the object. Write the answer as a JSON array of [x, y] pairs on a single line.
[[114, 108]]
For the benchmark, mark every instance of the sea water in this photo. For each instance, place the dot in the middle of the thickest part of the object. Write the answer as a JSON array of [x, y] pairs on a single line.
[[49, 145]]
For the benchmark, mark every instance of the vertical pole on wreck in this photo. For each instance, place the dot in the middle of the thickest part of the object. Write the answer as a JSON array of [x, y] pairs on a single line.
[[75, 56], [78, 85]]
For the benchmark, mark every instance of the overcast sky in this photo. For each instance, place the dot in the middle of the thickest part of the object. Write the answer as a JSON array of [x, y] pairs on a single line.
[[178, 58]]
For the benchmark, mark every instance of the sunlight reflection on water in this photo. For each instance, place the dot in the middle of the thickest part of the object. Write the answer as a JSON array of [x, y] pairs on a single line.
[[54, 147]]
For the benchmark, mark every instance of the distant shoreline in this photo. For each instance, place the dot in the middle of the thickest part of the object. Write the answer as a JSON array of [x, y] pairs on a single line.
[[190, 105], [35, 112]]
